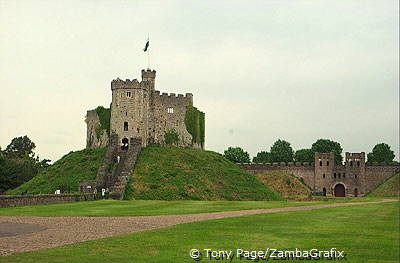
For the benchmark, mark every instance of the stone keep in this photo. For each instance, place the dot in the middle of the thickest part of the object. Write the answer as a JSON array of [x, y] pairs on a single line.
[[139, 111]]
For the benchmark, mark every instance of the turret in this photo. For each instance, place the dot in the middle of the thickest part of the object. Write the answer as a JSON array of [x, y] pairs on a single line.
[[148, 75]]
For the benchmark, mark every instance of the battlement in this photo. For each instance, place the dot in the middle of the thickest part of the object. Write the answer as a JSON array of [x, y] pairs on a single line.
[[173, 97], [148, 75], [282, 164], [125, 84]]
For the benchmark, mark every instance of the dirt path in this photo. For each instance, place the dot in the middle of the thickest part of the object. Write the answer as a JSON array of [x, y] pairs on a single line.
[[57, 231]]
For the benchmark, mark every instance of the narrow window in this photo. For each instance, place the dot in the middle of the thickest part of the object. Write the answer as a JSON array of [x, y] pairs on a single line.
[[344, 175], [125, 126], [323, 176], [358, 163], [334, 175], [138, 130], [327, 163], [126, 113], [339, 175], [355, 176], [351, 163], [128, 94], [324, 191], [320, 163]]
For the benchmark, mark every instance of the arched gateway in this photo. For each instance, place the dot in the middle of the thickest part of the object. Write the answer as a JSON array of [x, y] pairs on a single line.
[[339, 190]]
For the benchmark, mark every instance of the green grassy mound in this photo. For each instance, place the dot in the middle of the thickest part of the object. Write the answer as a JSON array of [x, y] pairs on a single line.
[[389, 188], [287, 185], [177, 173], [66, 173]]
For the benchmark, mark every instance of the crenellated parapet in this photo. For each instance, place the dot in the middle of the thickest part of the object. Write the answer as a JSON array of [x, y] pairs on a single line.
[[125, 84], [173, 98]]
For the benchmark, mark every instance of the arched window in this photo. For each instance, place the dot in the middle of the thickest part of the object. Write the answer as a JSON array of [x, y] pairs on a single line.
[[320, 163], [126, 126]]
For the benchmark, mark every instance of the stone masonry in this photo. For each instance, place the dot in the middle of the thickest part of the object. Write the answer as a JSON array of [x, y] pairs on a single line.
[[354, 177], [140, 111]]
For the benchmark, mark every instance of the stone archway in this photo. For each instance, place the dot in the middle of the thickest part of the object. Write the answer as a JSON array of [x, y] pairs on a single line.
[[340, 190]]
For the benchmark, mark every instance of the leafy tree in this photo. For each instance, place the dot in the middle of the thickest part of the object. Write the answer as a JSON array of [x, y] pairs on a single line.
[[381, 153], [14, 172], [281, 151], [20, 147], [171, 137], [237, 155], [326, 146], [304, 155], [18, 163], [262, 157]]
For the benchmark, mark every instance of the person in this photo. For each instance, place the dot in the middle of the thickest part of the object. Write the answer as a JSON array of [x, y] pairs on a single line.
[[118, 158]]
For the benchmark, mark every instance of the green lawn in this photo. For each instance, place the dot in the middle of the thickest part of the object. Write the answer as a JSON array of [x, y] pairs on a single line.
[[154, 207], [367, 233]]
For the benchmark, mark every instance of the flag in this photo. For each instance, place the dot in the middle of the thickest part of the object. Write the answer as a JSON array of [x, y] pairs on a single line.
[[147, 45]]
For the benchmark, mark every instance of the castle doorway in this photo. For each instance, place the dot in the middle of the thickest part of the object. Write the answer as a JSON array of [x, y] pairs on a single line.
[[355, 192], [125, 144], [324, 191], [340, 191]]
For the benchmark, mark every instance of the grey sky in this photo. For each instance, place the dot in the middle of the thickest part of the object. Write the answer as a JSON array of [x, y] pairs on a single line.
[[261, 70]]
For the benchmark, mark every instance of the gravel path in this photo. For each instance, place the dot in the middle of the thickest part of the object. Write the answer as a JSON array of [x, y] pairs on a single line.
[[57, 231]]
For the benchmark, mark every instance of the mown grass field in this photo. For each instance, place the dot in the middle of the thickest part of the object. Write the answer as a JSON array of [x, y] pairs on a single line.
[[155, 207], [366, 233]]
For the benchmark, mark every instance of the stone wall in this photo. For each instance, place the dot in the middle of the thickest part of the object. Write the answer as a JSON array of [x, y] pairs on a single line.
[[92, 140], [300, 170], [140, 111], [21, 200], [357, 177]]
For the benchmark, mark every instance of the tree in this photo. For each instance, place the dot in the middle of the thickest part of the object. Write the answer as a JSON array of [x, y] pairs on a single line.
[[304, 155], [381, 153], [326, 146], [237, 155], [262, 157], [20, 147], [281, 151], [171, 137], [14, 172]]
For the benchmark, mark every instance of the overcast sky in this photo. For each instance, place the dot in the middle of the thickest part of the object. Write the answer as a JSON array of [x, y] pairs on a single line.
[[260, 70]]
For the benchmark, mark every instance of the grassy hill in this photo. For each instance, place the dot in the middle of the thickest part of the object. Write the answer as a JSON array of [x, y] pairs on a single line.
[[287, 185], [389, 188], [177, 173], [64, 173]]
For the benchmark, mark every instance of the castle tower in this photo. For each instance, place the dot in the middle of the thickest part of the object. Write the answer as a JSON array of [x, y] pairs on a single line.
[[324, 164], [129, 108]]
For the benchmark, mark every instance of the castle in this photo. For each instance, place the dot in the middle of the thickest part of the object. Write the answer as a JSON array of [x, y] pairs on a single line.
[[324, 177], [139, 116], [139, 111]]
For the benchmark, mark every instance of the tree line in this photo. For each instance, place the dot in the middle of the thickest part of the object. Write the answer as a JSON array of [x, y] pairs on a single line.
[[19, 163], [281, 151]]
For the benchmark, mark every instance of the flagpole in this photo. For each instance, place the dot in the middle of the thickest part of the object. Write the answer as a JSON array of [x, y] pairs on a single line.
[[148, 54]]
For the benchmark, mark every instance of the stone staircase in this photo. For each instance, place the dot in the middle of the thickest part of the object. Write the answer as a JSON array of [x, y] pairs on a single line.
[[114, 175]]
